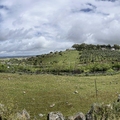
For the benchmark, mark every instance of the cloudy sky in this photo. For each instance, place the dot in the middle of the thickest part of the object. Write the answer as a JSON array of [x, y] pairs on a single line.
[[30, 27]]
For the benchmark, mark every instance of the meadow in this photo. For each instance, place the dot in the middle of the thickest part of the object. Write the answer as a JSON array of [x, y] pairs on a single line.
[[43, 93]]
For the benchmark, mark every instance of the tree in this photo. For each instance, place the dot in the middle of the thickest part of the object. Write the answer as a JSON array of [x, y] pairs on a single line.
[[76, 46], [108, 46], [117, 47]]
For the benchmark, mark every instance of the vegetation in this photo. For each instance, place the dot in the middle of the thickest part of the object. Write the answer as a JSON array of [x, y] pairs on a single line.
[[46, 92], [84, 46], [41, 94], [85, 59]]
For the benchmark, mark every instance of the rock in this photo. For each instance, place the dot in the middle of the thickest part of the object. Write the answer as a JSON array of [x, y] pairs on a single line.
[[52, 105], [76, 92], [69, 104], [41, 115], [89, 116], [24, 115], [55, 116], [118, 100], [24, 92], [79, 116], [70, 118]]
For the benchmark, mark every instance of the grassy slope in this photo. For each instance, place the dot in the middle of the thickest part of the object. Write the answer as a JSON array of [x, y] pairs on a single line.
[[58, 60], [70, 60], [65, 56], [36, 93]]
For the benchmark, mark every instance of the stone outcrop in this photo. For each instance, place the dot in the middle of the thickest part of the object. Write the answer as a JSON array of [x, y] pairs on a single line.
[[79, 116], [24, 115], [97, 112], [59, 116], [55, 116]]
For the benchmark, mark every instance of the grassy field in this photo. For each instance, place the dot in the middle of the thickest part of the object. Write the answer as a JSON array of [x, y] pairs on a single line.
[[67, 94]]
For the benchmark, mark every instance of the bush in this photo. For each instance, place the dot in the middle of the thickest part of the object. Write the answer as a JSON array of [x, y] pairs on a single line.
[[3, 68], [105, 111], [100, 67], [116, 66], [10, 113]]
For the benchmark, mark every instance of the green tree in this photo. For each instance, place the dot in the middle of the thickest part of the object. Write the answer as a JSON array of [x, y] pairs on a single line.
[[117, 47]]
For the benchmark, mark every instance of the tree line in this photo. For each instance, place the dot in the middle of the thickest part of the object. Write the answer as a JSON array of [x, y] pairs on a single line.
[[85, 46]]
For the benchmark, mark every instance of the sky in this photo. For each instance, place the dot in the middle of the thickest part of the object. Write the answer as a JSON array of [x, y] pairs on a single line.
[[34, 27]]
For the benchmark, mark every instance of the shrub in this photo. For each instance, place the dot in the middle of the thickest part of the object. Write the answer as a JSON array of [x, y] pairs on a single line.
[[3, 68], [99, 67], [105, 111]]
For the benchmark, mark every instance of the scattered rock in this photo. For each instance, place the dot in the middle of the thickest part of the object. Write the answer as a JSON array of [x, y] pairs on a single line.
[[33, 99], [69, 104], [109, 106], [94, 110], [55, 116], [52, 105], [24, 115], [76, 92], [40, 115], [24, 92]]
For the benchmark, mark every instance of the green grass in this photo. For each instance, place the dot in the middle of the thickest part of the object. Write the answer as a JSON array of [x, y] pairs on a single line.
[[64, 56], [36, 93]]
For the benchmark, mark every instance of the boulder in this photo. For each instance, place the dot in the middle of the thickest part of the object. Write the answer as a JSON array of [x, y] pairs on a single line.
[[55, 116], [89, 116], [79, 116], [24, 115]]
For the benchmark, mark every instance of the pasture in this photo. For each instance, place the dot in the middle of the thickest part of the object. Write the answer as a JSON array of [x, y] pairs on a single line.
[[43, 93]]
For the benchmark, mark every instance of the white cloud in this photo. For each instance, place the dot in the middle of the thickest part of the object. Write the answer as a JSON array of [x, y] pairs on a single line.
[[35, 27]]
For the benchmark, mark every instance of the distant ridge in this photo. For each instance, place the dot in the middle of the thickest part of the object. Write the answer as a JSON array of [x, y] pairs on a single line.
[[3, 57]]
